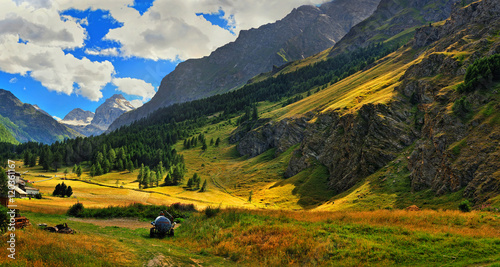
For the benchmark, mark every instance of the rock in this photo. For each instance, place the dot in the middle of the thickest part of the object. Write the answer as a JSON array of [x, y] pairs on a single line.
[[412, 208]]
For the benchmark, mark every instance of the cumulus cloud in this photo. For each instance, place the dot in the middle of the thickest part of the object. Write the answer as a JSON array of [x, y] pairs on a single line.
[[135, 87], [56, 70], [171, 30], [37, 41], [102, 52], [32, 39]]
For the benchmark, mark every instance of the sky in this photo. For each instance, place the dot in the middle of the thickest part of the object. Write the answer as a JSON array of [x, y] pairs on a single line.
[[64, 54]]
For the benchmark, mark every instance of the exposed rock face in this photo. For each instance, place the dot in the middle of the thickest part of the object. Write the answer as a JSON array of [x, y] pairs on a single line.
[[351, 146], [391, 18], [110, 110], [481, 13], [305, 31], [88, 123], [281, 135], [26, 123]]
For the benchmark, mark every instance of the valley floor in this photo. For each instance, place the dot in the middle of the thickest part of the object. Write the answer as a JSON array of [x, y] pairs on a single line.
[[237, 237]]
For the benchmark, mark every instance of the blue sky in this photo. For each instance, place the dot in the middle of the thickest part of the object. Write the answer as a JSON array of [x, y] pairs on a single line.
[[75, 54]]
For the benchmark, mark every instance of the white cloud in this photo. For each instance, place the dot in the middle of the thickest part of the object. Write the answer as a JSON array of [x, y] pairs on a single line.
[[135, 87], [136, 103], [57, 118], [103, 52], [171, 30], [41, 55], [13, 80]]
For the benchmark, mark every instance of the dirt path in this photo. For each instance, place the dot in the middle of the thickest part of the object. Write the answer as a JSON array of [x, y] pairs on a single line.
[[125, 223], [118, 222]]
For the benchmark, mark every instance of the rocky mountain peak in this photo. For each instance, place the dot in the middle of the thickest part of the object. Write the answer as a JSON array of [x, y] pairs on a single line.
[[78, 116], [307, 30]]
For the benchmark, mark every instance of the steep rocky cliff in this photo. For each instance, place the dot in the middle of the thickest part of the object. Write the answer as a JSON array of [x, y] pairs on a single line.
[[305, 31], [449, 150]]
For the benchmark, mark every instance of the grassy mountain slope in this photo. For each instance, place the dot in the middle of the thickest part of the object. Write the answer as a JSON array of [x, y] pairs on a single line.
[[362, 123], [6, 135], [28, 124]]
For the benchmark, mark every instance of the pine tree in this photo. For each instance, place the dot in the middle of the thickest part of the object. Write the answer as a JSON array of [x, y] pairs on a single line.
[[99, 159], [255, 113], [92, 171], [56, 161], [204, 186], [62, 190], [250, 196], [204, 146], [146, 181], [190, 183], [212, 142], [112, 157], [26, 157], [69, 191], [119, 165], [74, 169], [158, 178], [197, 182], [65, 172], [168, 179], [98, 170], [33, 160], [130, 166], [57, 190], [79, 171], [177, 175], [217, 142], [107, 166]]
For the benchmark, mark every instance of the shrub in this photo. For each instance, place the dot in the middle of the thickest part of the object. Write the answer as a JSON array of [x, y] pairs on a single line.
[[465, 206], [211, 211], [4, 218], [38, 196], [76, 210], [461, 107]]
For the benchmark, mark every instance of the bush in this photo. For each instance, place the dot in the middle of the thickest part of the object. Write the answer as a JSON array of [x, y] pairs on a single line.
[[465, 206], [76, 210], [461, 107], [136, 210], [38, 196], [211, 211], [4, 218]]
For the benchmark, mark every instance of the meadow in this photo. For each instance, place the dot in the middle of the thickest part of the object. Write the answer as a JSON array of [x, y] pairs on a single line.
[[242, 237]]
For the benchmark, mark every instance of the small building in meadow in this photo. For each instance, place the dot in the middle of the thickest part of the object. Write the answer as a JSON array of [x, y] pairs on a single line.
[[31, 191]]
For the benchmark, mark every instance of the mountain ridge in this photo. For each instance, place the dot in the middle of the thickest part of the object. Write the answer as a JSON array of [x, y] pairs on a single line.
[[256, 51], [88, 123], [26, 123]]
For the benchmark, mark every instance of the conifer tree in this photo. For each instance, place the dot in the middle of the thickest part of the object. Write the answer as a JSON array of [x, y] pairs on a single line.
[[204, 186]]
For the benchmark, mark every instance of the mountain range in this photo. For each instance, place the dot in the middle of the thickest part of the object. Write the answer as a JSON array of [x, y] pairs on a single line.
[[304, 32], [88, 123], [26, 122], [403, 108]]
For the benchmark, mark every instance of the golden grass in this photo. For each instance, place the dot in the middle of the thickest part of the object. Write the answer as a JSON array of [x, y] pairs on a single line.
[[36, 247], [476, 224], [375, 85]]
